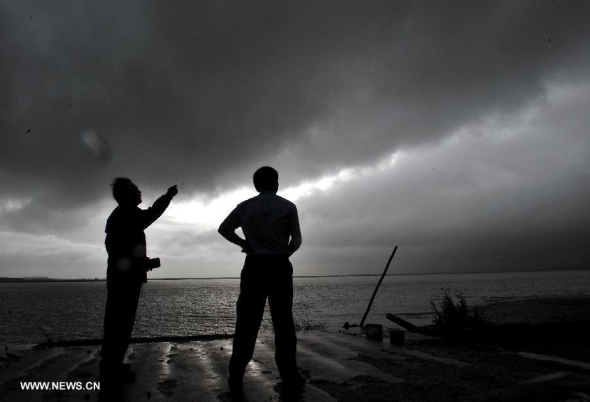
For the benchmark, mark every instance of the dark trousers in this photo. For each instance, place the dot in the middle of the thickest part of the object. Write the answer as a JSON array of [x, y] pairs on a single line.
[[122, 299], [265, 277]]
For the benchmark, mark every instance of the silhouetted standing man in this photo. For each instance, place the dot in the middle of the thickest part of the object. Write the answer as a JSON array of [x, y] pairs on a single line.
[[126, 271], [271, 227]]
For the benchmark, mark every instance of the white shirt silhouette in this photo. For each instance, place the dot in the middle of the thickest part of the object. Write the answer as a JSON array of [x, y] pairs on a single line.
[[268, 221]]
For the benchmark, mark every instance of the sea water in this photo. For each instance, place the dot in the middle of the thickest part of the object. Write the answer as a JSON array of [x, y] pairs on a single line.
[[31, 313]]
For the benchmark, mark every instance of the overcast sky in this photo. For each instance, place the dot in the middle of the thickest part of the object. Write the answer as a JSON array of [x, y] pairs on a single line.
[[459, 131]]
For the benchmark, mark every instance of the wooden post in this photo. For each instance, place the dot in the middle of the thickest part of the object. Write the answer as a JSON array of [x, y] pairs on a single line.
[[377, 288]]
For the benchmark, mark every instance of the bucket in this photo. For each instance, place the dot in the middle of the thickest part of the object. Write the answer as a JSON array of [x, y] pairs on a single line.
[[397, 337], [374, 331]]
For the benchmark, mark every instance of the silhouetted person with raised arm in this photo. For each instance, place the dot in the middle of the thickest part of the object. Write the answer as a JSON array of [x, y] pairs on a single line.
[[271, 226], [126, 272]]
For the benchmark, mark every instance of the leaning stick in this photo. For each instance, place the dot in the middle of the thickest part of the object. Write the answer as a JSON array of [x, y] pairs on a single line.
[[377, 288]]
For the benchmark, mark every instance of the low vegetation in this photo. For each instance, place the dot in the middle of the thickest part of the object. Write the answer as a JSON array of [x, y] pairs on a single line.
[[454, 314]]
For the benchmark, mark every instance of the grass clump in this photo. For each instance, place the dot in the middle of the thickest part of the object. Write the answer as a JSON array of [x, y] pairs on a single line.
[[454, 315]]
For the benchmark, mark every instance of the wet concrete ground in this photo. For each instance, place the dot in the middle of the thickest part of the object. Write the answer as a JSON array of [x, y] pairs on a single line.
[[338, 367]]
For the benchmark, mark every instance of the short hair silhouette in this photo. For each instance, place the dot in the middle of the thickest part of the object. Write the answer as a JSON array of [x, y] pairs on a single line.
[[266, 179], [121, 188]]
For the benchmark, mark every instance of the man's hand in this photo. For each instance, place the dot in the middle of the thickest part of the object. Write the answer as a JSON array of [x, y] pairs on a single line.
[[246, 247], [172, 191]]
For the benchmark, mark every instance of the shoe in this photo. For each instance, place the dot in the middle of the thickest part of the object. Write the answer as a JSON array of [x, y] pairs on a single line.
[[294, 383], [235, 384]]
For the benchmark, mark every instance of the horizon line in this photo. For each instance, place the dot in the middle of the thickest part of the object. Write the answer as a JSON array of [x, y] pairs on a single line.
[[49, 279]]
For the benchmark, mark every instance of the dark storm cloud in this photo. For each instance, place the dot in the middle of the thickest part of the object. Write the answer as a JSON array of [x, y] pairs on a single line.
[[201, 92], [509, 195]]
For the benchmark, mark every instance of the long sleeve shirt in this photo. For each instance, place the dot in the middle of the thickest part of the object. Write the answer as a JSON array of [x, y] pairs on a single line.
[[125, 238]]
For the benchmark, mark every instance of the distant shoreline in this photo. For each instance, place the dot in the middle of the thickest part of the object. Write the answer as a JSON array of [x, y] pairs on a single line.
[[43, 279]]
